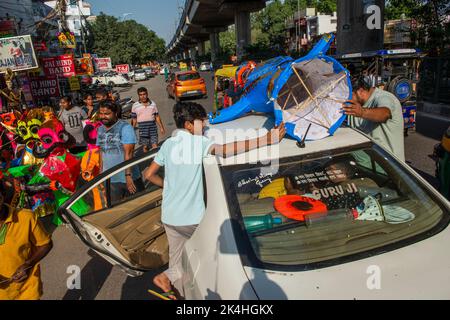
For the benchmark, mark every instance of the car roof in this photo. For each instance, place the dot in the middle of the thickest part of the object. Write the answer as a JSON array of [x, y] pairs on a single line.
[[226, 133], [185, 72]]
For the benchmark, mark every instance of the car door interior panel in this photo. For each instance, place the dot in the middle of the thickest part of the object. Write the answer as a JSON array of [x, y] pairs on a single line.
[[135, 229]]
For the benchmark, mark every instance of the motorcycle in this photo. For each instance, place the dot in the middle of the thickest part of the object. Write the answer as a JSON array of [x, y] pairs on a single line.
[[126, 105]]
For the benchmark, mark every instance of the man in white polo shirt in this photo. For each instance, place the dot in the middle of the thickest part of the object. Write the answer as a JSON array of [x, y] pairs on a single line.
[[145, 114]]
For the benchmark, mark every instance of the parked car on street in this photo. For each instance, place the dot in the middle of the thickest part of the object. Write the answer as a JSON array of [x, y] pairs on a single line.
[[283, 222], [149, 72], [205, 66], [186, 84], [110, 78], [140, 75]]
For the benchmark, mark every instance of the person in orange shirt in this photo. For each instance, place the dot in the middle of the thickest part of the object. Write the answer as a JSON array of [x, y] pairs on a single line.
[[23, 243]]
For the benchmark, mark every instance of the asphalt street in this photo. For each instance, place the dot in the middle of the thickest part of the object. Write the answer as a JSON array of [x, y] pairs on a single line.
[[99, 280]]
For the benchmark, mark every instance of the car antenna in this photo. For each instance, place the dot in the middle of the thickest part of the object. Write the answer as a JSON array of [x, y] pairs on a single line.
[[301, 144]]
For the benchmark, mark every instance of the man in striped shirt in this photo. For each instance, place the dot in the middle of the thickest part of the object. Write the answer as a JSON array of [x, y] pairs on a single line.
[[145, 115]]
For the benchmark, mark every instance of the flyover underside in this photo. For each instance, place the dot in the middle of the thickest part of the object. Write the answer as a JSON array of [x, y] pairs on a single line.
[[205, 17]]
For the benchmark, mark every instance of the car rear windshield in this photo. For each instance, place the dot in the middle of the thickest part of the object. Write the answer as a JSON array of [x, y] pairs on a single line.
[[315, 212], [139, 71], [188, 76]]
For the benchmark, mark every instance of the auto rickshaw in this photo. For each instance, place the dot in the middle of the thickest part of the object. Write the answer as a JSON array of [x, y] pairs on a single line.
[[223, 79], [396, 71]]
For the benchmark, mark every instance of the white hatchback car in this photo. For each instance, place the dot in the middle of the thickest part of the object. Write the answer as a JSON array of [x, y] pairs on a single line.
[[111, 79], [341, 218], [140, 75]]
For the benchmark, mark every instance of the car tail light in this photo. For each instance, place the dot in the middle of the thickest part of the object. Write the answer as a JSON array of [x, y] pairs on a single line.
[[202, 81], [179, 84]]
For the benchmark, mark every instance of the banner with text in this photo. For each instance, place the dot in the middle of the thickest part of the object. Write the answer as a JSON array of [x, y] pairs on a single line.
[[102, 64], [17, 53], [122, 68], [63, 66], [44, 87]]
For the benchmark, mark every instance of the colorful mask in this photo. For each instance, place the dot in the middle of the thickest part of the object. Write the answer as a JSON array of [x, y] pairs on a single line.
[[52, 135], [90, 132], [8, 119], [28, 128]]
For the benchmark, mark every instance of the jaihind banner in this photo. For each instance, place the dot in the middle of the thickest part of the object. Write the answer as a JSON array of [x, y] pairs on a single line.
[[62, 66]]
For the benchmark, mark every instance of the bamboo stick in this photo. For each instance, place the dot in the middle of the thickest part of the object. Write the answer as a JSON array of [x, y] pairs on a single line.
[[310, 95]]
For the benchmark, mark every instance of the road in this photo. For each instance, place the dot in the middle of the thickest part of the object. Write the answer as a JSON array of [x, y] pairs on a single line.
[[99, 280]]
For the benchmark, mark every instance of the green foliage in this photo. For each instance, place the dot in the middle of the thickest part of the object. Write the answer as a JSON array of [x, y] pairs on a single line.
[[395, 9], [125, 42], [433, 28], [228, 41]]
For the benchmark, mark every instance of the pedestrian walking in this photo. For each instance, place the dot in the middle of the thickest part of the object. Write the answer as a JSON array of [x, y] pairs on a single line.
[[23, 244], [183, 197], [117, 141], [144, 114], [72, 117], [377, 113]]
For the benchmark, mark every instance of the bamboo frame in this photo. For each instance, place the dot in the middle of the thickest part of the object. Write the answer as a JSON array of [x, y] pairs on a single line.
[[310, 95]]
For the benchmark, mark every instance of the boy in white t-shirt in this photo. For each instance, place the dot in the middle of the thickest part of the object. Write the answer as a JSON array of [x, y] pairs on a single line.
[[182, 157]]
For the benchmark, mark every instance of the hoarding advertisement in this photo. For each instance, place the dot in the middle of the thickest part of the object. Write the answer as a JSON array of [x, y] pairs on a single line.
[[17, 53], [63, 66]]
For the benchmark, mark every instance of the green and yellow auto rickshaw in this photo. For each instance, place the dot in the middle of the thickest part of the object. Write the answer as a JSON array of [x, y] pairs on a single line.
[[223, 79]]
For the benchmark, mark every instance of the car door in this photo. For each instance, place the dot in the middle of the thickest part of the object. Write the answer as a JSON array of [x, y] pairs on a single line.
[[123, 228]]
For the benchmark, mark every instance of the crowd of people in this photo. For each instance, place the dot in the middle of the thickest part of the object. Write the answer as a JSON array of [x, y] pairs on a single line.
[[375, 112]]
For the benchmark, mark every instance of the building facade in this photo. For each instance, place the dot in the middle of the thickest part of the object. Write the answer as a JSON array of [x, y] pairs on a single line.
[[306, 26]]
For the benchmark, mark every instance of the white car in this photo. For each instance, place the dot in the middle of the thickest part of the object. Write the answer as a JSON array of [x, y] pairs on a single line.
[[140, 75], [111, 79], [362, 224], [205, 66]]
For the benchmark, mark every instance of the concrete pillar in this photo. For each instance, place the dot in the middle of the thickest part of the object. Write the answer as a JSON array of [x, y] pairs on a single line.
[[215, 45], [360, 26], [243, 31], [193, 53], [201, 48]]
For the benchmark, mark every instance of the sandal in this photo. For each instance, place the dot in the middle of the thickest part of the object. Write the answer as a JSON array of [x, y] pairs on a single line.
[[164, 295]]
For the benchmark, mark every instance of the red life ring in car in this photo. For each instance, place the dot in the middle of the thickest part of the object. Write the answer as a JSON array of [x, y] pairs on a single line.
[[297, 207]]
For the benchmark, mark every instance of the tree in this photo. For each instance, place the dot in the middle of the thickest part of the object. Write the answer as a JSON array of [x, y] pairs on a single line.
[[396, 8], [271, 21], [432, 32], [125, 42], [228, 41]]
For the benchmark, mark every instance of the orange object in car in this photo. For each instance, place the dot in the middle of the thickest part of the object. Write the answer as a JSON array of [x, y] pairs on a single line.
[[186, 84], [297, 207]]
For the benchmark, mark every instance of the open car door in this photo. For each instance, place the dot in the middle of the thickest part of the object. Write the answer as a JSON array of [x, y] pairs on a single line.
[[123, 228]]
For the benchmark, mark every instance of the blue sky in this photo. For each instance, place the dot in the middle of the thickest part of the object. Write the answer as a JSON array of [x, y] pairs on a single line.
[[158, 15]]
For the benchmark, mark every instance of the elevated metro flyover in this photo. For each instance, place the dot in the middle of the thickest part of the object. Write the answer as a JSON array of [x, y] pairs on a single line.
[[203, 20]]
